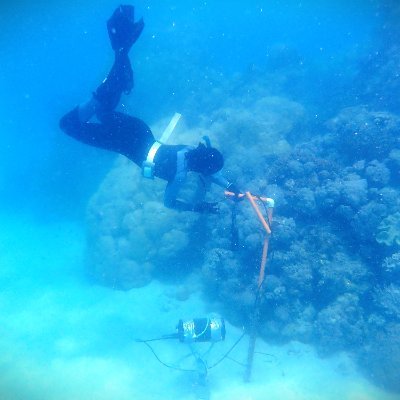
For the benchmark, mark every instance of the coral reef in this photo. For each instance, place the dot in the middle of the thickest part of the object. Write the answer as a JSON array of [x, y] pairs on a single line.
[[361, 134], [333, 274], [340, 325], [378, 77], [391, 267], [132, 237], [389, 230], [240, 127], [379, 355]]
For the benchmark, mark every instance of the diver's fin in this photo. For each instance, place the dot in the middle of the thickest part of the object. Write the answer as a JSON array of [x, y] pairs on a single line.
[[122, 28]]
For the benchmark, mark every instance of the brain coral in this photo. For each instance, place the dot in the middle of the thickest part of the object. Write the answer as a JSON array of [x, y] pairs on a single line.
[[131, 235], [249, 132]]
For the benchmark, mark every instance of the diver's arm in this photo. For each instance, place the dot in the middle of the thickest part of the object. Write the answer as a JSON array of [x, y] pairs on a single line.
[[171, 194], [171, 201], [174, 186], [219, 180]]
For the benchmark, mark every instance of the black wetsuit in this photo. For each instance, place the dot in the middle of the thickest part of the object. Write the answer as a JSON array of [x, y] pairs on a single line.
[[123, 134], [128, 135]]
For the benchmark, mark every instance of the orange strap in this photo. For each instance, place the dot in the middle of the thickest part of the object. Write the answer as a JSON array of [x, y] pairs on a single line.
[[266, 240], [258, 212], [256, 312], [263, 262]]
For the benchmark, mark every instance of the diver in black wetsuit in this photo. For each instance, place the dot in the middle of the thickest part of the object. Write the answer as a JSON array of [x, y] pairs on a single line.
[[130, 136]]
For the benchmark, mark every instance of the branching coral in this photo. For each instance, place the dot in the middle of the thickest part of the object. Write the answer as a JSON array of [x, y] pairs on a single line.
[[340, 275], [340, 325], [387, 300], [391, 267], [389, 230], [362, 134], [379, 356], [377, 173]]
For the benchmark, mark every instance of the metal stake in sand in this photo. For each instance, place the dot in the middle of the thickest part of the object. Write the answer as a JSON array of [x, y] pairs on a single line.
[[255, 317]]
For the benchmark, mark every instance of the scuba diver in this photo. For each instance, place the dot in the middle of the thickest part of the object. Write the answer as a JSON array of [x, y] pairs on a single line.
[[130, 136]]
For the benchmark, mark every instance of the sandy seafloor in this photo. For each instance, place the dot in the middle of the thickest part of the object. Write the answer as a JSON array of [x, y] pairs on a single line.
[[62, 338]]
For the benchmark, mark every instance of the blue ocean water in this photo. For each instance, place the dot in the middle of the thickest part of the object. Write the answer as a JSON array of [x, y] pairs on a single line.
[[55, 53], [311, 76]]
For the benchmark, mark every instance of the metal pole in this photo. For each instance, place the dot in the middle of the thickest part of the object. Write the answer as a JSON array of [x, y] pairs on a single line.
[[255, 317]]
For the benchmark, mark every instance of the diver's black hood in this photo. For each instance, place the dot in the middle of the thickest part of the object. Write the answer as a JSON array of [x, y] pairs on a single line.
[[205, 160]]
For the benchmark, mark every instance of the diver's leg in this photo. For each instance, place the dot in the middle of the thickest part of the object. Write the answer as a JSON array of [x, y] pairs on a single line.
[[114, 131], [94, 134], [122, 134], [107, 95], [123, 32], [87, 110], [118, 81], [105, 136]]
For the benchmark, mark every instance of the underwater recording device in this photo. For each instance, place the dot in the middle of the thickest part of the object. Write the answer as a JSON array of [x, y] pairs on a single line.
[[192, 332], [201, 330], [209, 329]]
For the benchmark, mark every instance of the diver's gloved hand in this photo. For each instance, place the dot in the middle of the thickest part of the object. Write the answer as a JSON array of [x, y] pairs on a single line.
[[234, 189], [206, 208], [122, 28]]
